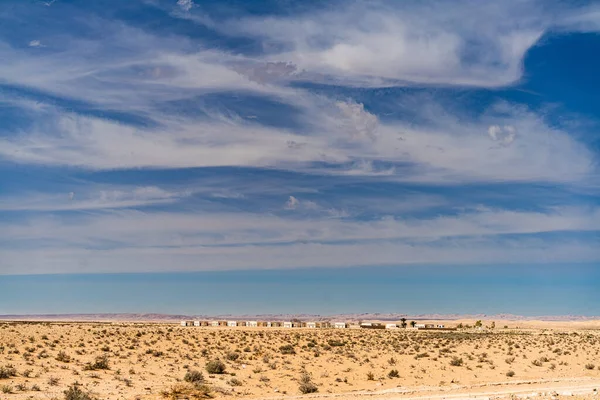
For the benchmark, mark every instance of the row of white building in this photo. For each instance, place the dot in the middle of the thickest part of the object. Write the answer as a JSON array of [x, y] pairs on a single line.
[[302, 324]]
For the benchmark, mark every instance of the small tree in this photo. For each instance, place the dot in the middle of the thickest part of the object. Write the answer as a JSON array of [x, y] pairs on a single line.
[[478, 324], [412, 324], [403, 321]]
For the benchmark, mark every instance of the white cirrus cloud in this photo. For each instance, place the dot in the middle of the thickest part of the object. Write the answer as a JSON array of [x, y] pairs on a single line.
[[291, 203], [89, 198], [137, 241], [185, 5], [504, 135]]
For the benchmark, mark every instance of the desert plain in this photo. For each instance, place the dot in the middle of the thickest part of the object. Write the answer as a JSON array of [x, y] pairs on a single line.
[[126, 360]]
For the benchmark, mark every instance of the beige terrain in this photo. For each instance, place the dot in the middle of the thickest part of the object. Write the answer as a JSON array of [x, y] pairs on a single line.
[[40, 360]]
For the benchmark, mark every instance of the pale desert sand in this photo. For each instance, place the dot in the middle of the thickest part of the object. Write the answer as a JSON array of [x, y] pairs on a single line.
[[148, 360]]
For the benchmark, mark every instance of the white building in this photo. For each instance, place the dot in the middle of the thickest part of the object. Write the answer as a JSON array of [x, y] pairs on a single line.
[[252, 324], [311, 324], [287, 324], [391, 326], [419, 325], [196, 323], [339, 325], [214, 323], [231, 323], [268, 324], [183, 323], [440, 326]]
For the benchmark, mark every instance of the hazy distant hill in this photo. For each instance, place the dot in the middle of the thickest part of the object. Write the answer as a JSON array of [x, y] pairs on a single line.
[[345, 317]]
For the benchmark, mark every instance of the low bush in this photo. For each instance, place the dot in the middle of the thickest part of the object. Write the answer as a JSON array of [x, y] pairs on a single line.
[[306, 385], [194, 377], [456, 361], [74, 392], [215, 367], [187, 391], [537, 363], [235, 382], [63, 357], [287, 349], [101, 362], [7, 372]]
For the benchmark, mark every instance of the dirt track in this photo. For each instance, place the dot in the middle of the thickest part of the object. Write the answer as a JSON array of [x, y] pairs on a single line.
[[582, 388]]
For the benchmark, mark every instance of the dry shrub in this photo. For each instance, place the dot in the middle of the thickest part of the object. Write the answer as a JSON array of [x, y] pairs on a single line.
[[287, 349], [215, 367], [7, 372], [193, 376], [101, 362], [74, 392], [456, 361], [63, 357], [306, 385], [187, 391]]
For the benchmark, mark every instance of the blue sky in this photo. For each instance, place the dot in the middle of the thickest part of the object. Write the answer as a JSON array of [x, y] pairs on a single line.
[[190, 136]]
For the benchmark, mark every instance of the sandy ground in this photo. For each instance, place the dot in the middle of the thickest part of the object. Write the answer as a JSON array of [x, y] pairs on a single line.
[[150, 361]]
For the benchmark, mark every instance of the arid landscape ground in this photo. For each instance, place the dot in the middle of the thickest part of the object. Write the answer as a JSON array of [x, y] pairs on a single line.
[[42, 360]]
